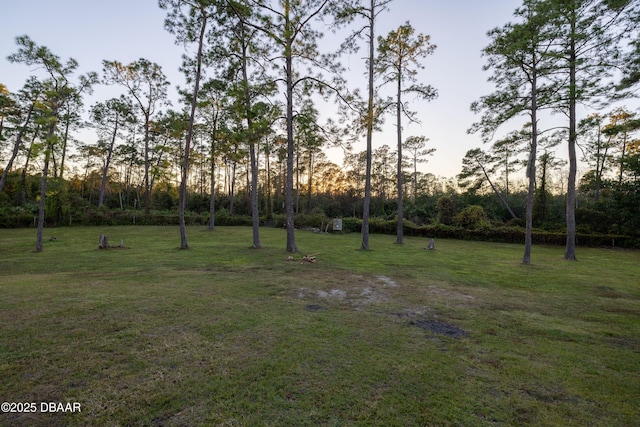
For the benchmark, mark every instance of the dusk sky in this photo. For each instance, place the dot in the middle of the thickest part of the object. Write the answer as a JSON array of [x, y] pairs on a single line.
[[125, 30]]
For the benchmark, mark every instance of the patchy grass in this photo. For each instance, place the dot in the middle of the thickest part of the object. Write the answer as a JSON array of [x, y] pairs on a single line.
[[222, 334]]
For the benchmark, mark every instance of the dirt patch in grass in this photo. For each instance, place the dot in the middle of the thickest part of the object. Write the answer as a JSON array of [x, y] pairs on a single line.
[[425, 318], [360, 292], [356, 291], [413, 313], [442, 328], [451, 296]]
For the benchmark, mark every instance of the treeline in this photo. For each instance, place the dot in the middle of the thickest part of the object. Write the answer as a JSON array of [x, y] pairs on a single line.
[[236, 148], [607, 215]]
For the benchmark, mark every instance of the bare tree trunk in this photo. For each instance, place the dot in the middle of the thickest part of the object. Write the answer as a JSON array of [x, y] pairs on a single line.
[[212, 199], [570, 249], [232, 189], [42, 204], [147, 184], [253, 167], [367, 186], [268, 198], [43, 183], [55, 163], [255, 214], [531, 171], [310, 182], [187, 146], [291, 242], [399, 228], [105, 172], [297, 209], [622, 157], [495, 190], [64, 143], [414, 183]]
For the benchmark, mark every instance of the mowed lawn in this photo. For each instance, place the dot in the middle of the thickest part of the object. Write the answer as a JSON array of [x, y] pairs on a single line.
[[225, 335]]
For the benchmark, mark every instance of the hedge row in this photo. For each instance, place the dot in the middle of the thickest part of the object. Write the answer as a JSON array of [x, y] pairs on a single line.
[[25, 218], [493, 234]]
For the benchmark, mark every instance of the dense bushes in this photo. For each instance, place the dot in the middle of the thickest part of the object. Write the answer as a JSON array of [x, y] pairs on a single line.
[[17, 217], [469, 215], [473, 217], [502, 234], [22, 217]]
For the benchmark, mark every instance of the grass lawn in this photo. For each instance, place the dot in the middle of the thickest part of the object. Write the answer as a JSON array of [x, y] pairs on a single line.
[[225, 335]]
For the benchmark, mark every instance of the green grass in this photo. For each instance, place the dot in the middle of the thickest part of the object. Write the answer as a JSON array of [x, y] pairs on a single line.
[[222, 334]]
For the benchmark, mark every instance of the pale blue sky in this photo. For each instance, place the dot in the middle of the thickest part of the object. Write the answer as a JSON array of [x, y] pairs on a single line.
[[93, 30]]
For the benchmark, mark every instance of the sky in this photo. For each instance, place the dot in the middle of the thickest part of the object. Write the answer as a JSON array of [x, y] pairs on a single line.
[[126, 30]]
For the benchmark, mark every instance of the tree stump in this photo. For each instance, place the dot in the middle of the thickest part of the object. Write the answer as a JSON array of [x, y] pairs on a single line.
[[103, 243]]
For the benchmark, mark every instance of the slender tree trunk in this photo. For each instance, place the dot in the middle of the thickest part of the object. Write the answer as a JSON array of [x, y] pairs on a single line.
[[147, 183], [212, 200], [64, 143], [187, 146], [297, 208], [269, 201], [105, 172], [414, 183], [570, 249], [43, 182], [288, 53], [531, 171], [543, 188], [622, 157], [42, 203], [310, 181], [399, 228], [227, 171], [367, 186], [247, 175], [128, 181], [255, 210], [232, 188], [55, 163], [279, 186], [495, 190], [291, 243], [153, 176], [599, 168]]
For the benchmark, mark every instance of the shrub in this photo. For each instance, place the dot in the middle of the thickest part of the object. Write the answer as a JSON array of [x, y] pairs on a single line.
[[592, 220], [473, 218], [446, 208], [315, 218], [17, 217], [351, 225]]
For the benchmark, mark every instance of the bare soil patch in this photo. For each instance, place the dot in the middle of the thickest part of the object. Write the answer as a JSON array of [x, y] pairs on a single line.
[[358, 291]]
